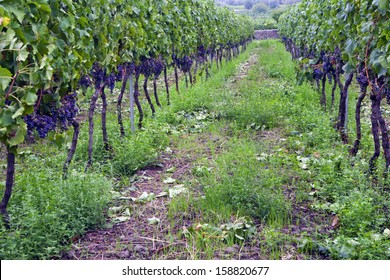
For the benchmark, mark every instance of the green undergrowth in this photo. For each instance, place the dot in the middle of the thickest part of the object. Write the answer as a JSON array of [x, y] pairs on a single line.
[[277, 151], [47, 212]]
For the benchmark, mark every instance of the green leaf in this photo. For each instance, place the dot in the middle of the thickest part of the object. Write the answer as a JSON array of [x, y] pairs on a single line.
[[18, 113], [120, 219], [136, 10], [5, 77], [3, 131], [45, 8], [61, 44], [19, 136], [18, 14], [6, 117], [383, 4], [350, 46], [23, 54], [30, 98], [58, 139]]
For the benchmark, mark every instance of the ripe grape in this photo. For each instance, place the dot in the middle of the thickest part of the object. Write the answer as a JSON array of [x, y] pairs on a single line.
[[362, 80], [317, 74], [98, 75], [85, 81], [49, 116], [158, 67], [184, 63], [110, 81]]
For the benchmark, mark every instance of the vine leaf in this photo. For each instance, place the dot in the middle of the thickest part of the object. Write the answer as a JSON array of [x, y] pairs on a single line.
[[30, 98], [383, 4], [19, 136], [23, 54], [18, 113], [5, 77]]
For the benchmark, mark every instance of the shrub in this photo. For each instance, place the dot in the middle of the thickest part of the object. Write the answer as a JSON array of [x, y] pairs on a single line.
[[46, 212]]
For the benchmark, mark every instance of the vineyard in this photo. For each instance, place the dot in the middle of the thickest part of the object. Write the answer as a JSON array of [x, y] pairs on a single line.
[[207, 147], [332, 39]]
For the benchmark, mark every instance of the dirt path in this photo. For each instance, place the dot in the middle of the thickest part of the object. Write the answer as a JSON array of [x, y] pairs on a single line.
[[136, 238]]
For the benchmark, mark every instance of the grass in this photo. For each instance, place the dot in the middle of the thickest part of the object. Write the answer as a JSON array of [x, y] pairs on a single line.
[[267, 174], [252, 173]]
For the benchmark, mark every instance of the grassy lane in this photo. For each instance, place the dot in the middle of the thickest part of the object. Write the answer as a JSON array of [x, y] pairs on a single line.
[[273, 180]]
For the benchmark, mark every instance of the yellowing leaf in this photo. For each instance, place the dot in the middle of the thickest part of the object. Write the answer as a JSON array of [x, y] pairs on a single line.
[[336, 222], [5, 21]]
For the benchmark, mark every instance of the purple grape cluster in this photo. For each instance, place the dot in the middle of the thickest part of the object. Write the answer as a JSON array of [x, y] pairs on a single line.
[[110, 81], [48, 117], [147, 67], [362, 80], [130, 67], [184, 63], [158, 67], [328, 67], [137, 70], [201, 52], [85, 81], [43, 124], [68, 111], [151, 66], [317, 74], [98, 75], [337, 59], [120, 70], [386, 92]]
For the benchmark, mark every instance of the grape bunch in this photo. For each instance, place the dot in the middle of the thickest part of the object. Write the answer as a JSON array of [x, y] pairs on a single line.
[[337, 59], [317, 74], [85, 81], [386, 93], [328, 67], [120, 70], [110, 81], [146, 67], [201, 51], [362, 80], [130, 67], [184, 63], [67, 111], [49, 116], [201, 54], [137, 70], [43, 124], [158, 67], [98, 75]]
